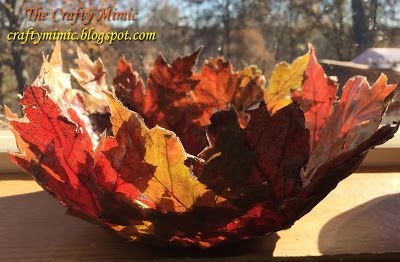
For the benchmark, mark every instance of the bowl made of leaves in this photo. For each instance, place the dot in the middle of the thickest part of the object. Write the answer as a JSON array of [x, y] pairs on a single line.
[[195, 158]]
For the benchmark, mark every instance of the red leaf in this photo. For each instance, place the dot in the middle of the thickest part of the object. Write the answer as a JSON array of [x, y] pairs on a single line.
[[63, 149], [356, 117], [109, 174], [166, 86], [317, 98], [176, 77], [340, 125]]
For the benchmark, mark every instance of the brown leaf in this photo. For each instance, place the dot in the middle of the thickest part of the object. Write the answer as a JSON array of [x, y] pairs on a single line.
[[129, 87]]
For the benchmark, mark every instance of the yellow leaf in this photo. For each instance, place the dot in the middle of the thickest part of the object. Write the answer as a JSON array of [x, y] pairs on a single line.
[[173, 186], [120, 115], [285, 78], [135, 232]]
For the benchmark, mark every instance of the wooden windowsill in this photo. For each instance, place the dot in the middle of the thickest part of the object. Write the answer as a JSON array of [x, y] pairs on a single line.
[[361, 216]]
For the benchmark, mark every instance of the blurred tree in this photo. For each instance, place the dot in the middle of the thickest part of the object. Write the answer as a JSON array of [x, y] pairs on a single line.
[[330, 19], [364, 15], [11, 21]]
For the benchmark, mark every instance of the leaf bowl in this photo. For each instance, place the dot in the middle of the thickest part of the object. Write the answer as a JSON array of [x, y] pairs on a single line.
[[195, 158]]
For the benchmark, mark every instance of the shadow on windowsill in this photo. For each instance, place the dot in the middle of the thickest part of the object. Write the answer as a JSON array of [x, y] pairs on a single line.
[[364, 229]]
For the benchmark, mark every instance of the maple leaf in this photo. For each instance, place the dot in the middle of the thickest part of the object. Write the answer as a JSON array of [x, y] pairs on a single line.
[[129, 87], [181, 100], [52, 74], [285, 78], [261, 165], [90, 75], [216, 87], [90, 183], [164, 100], [238, 163], [156, 157], [317, 97], [251, 88], [57, 149], [340, 124], [292, 198]]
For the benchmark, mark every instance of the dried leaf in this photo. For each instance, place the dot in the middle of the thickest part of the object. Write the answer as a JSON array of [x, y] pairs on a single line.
[[129, 87], [356, 118], [62, 149], [182, 101], [251, 88], [285, 78], [90, 75], [217, 85], [155, 157], [52, 74], [317, 98]]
